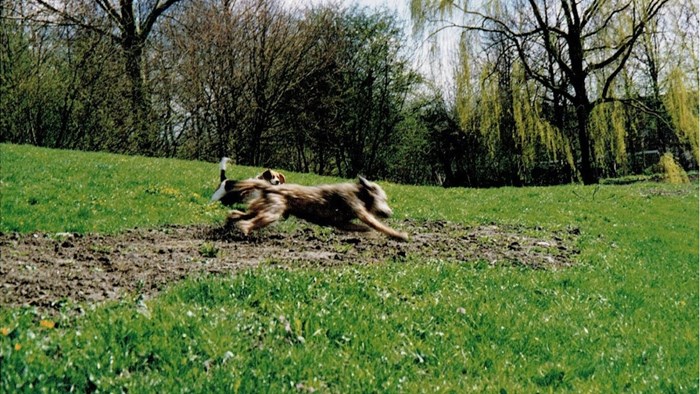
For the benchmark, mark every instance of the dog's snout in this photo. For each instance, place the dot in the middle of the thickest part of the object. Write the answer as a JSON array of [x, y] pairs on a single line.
[[274, 181], [385, 213]]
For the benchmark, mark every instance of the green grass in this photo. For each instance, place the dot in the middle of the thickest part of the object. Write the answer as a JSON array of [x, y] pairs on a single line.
[[625, 319]]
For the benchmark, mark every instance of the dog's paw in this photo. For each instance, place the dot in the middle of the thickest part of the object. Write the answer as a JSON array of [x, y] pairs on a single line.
[[401, 237], [245, 227]]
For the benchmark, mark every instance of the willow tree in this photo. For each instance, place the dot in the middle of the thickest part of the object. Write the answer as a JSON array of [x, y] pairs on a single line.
[[668, 62], [574, 49], [681, 98], [682, 105]]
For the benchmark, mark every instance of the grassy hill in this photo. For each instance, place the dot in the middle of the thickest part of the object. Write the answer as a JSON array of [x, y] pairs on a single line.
[[623, 318]]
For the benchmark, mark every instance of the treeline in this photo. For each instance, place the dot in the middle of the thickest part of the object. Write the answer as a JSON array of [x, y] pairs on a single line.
[[325, 89]]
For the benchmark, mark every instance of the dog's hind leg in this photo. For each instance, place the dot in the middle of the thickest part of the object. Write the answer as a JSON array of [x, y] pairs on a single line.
[[237, 215], [265, 214], [256, 205]]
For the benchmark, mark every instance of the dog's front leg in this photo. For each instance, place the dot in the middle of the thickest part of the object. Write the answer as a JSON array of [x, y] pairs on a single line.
[[371, 221]]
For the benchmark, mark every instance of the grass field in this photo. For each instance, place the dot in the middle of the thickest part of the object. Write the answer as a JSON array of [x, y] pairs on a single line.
[[624, 319]]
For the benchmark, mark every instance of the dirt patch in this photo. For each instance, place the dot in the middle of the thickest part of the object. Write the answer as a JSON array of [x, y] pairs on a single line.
[[43, 270]]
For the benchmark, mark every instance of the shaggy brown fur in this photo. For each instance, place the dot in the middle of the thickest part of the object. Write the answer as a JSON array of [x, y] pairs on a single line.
[[327, 205]]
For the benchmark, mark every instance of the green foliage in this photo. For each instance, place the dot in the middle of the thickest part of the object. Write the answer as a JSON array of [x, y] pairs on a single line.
[[624, 319], [682, 105], [62, 94], [566, 91], [490, 112], [608, 131], [626, 180], [332, 90], [466, 93], [674, 173], [31, 85], [533, 130], [361, 97], [410, 160]]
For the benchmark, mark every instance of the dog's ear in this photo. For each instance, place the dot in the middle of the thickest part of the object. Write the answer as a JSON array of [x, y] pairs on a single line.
[[281, 177], [267, 175], [364, 182]]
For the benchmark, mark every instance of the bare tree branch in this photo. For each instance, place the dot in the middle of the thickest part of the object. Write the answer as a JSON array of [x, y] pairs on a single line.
[[73, 20], [155, 13]]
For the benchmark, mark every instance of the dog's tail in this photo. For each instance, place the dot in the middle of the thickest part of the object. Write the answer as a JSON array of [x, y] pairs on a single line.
[[250, 185], [224, 188], [222, 168]]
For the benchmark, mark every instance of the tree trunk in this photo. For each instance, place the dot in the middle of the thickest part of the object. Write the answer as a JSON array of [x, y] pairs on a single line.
[[588, 173], [139, 126]]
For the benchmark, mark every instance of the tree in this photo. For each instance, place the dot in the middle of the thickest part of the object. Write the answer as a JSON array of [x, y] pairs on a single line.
[[373, 79], [275, 45], [201, 82], [589, 42], [128, 23], [48, 81], [682, 77]]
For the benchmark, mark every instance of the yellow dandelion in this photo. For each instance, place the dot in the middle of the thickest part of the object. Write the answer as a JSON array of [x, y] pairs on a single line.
[[5, 331], [47, 324], [17, 347]]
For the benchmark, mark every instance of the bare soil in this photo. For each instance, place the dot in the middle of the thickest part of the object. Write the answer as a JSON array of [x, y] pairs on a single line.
[[44, 270]]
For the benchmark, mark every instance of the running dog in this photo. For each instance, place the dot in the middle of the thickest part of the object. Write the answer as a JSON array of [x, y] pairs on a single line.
[[326, 205], [225, 193]]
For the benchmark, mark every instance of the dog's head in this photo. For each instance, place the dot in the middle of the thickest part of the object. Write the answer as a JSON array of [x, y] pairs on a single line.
[[374, 197], [273, 177]]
